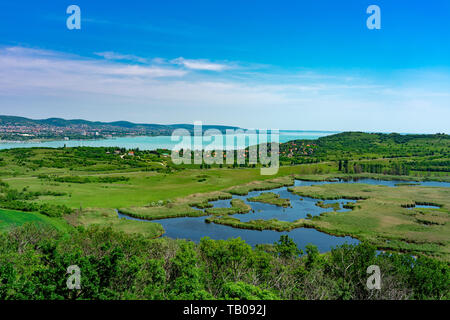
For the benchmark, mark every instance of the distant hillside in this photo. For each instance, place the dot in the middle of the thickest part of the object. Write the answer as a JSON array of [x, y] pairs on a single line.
[[59, 122], [20, 128], [432, 151]]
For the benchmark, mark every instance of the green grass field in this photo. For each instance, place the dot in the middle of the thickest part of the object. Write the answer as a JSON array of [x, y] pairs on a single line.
[[11, 218], [143, 187]]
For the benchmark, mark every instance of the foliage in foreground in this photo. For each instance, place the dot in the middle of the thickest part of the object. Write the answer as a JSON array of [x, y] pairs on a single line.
[[34, 260]]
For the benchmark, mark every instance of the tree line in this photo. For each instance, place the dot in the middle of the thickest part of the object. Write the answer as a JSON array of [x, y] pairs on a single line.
[[114, 265]]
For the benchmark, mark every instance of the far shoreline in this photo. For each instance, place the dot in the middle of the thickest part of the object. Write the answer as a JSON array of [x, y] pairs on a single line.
[[37, 141]]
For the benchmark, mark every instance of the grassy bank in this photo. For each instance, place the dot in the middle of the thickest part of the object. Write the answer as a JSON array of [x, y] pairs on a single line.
[[109, 218], [237, 206], [259, 224], [271, 198]]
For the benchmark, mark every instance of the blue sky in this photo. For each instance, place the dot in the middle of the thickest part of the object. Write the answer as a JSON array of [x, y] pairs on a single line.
[[259, 64]]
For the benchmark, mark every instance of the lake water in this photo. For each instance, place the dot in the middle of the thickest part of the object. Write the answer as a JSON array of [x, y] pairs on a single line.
[[424, 206], [195, 228], [300, 206], [163, 142], [389, 183]]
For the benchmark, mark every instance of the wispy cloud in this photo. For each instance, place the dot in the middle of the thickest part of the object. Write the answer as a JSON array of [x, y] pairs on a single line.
[[191, 64], [200, 64], [47, 83], [19, 60], [109, 55]]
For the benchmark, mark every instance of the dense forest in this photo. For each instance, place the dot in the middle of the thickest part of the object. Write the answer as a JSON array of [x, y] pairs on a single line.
[[364, 145], [113, 265], [357, 152]]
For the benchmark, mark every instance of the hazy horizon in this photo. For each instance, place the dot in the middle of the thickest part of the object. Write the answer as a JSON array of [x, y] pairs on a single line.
[[228, 125]]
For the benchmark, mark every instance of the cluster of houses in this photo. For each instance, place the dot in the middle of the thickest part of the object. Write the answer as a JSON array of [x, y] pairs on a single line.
[[39, 130], [302, 149], [130, 153]]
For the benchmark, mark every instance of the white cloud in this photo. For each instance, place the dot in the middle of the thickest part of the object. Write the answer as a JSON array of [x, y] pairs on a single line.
[[200, 64], [109, 55], [40, 63], [44, 83]]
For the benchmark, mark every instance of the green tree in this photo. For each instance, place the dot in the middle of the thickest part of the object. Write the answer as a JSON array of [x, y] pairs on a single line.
[[287, 248]]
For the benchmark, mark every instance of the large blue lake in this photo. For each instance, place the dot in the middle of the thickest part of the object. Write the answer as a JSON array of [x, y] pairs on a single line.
[[163, 142]]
